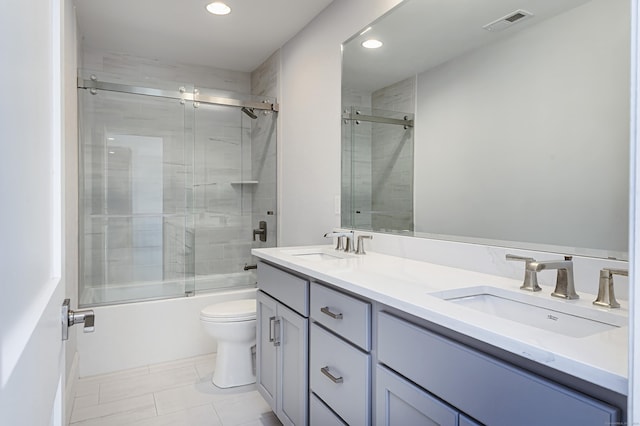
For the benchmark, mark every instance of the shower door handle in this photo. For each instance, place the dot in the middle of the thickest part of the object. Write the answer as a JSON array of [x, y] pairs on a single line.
[[69, 318]]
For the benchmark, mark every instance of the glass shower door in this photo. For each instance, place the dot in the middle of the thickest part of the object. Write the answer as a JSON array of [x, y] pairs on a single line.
[[233, 191], [136, 157]]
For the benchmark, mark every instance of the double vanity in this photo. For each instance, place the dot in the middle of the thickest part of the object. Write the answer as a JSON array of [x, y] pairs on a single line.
[[377, 339]]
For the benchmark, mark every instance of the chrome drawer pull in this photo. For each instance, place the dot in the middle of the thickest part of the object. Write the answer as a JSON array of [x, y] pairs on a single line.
[[271, 321], [274, 331], [277, 331], [334, 379], [326, 311]]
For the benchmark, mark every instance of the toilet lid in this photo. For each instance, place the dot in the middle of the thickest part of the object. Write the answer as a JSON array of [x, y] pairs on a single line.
[[234, 310]]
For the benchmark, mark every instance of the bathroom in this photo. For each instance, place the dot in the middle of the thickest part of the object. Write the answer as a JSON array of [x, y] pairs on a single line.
[[309, 185]]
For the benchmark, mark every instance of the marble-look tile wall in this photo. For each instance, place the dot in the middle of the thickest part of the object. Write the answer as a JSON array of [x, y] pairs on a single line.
[[203, 220], [265, 82], [392, 160], [140, 70]]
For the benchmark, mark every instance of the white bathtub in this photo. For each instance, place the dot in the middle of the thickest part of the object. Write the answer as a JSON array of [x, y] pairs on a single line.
[[136, 334], [144, 291]]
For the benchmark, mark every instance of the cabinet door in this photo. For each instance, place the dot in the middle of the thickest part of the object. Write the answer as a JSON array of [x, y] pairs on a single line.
[[400, 403], [293, 372], [265, 350], [340, 374]]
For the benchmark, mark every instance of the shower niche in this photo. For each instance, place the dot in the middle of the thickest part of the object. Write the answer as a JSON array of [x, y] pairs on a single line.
[[173, 181]]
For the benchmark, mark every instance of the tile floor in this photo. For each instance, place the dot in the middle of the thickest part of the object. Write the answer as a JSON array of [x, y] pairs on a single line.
[[178, 393]]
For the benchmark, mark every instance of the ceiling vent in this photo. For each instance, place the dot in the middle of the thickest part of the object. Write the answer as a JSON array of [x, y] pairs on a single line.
[[508, 20]]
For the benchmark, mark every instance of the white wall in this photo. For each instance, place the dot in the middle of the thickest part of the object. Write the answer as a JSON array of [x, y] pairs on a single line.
[[531, 135], [70, 189], [310, 119]]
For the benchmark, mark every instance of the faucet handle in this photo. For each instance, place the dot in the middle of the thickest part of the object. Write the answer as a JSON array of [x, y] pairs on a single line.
[[340, 236], [360, 247], [606, 296], [522, 258], [530, 282]]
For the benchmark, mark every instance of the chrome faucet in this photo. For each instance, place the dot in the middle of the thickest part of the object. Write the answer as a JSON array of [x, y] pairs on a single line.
[[530, 282], [347, 235], [606, 297], [565, 286], [261, 231], [360, 246]]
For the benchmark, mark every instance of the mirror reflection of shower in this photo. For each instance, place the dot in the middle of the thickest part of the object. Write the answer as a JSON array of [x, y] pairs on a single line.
[[250, 112], [171, 190]]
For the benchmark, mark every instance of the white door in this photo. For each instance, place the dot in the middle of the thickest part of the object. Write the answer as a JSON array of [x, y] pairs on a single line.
[[31, 289]]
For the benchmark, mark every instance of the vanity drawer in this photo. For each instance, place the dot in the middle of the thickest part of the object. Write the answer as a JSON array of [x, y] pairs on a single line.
[[460, 375], [321, 415], [345, 315], [340, 375], [289, 289]]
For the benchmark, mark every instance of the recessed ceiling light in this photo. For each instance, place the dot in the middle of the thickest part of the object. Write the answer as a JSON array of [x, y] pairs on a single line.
[[371, 44], [218, 8]]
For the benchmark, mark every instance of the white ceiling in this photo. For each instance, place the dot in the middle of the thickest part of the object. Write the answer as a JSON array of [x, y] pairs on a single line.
[[421, 34], [183, 31]]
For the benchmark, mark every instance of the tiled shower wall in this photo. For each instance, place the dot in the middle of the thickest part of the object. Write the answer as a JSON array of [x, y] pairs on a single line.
[[265, 81], [216, 238]]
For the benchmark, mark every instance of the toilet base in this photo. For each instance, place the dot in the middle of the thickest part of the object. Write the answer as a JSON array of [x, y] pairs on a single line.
[[234, 365]]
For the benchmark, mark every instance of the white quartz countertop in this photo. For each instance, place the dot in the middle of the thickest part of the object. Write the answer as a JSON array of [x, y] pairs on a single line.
[[407, 285]]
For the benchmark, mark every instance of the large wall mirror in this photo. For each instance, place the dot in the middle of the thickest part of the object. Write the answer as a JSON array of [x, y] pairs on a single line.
[[502, 122]]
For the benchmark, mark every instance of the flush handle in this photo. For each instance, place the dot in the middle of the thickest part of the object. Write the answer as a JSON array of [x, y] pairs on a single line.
[[70, 317]]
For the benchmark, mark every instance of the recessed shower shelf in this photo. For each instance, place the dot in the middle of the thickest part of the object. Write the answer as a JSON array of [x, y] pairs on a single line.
[[244, 182]]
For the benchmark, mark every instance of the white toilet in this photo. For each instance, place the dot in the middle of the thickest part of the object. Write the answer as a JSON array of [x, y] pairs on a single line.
[[233, 325]]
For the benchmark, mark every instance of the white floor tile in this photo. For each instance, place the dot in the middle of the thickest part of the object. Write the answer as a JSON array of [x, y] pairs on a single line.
[[85, 401], [177, 393], [154, 382], [267, 419], [203, 392], [87, 387], [241, 409], [130, 409], [203, 415]]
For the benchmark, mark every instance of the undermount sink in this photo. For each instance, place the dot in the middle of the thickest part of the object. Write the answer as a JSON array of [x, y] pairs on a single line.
[[317, 255], [556, 316]]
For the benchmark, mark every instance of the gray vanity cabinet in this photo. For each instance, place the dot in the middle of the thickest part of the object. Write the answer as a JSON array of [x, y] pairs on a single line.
[[485, 388], [323, 360], [339, 358], [282, 344]]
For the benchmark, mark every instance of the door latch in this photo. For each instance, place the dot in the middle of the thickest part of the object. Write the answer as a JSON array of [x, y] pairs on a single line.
[[69, 318]]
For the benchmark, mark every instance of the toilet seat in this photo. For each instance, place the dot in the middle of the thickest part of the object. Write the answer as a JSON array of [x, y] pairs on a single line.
[[232, 311]]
